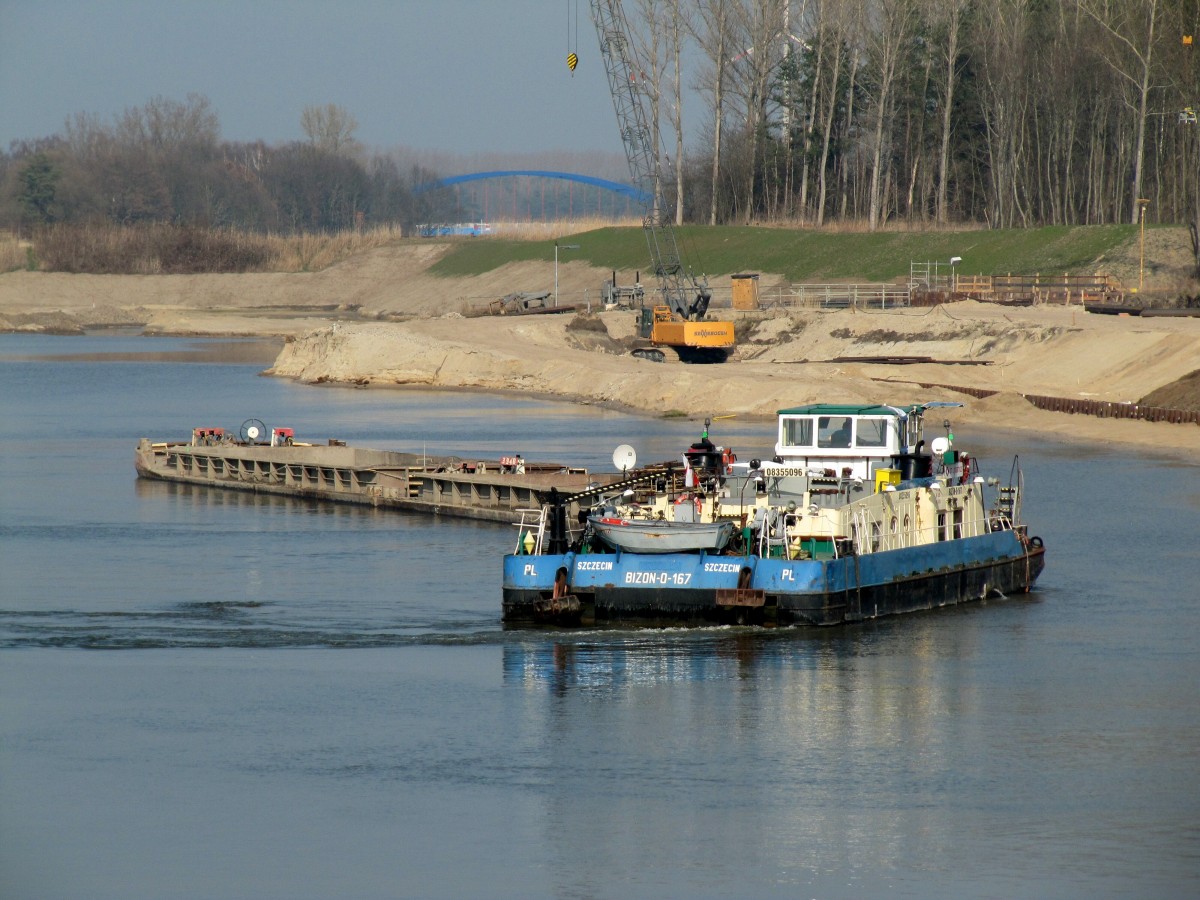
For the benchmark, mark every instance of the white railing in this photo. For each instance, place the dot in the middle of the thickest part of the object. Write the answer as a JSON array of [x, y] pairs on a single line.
[[835, 296], [912, 537], [532, 521]]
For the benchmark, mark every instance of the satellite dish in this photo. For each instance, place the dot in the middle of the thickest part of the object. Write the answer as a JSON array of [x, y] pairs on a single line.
[[624, 458], [252, 430], [940, 445]]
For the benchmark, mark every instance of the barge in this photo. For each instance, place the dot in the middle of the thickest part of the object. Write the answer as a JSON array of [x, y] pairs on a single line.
[[854, 518], [275, 463]]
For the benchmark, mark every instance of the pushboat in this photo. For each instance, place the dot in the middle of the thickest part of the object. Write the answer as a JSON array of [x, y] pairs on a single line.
[[856, 516]]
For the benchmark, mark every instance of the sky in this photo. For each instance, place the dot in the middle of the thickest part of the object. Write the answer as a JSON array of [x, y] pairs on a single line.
[[459, 76]]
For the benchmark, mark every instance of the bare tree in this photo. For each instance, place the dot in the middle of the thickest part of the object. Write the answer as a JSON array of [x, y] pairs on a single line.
[[794, 90], [1003, 51], [830, 34], [947, 15], [713, 33], [166, 125], [675, 36], [1130, 25], [890, 31], [760, 22], [1182, 103], [648, 53], [330, 128]]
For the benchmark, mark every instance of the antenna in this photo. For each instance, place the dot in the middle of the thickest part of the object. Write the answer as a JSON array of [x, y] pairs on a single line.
[[624, 458]]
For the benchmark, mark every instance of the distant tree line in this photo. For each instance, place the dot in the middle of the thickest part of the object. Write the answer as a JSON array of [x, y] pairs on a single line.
[[164, 162], [1007, 113]]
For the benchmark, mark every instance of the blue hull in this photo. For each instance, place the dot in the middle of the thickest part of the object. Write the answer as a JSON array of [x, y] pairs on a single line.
[[678, 588]]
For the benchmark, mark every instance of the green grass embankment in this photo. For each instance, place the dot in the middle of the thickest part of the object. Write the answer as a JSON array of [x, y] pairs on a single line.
[[814, 256]]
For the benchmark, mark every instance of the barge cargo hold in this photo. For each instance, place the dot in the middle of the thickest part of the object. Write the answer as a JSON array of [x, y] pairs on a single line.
[[491, 490], [852, 520]]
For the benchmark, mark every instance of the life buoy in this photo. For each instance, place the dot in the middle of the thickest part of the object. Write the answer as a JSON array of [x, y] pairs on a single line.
[[683, 498], [728, 459]]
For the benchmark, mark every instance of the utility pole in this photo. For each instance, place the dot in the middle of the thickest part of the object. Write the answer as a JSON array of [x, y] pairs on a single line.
[[557, 247]]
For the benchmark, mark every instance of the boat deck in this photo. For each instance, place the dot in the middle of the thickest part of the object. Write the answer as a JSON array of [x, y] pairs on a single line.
[[471, 488]]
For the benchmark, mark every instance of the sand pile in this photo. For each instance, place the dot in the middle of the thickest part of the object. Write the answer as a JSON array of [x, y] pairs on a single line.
[[382, 319]]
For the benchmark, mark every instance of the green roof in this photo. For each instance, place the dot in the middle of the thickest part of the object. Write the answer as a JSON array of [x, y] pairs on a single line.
[[841, 409]]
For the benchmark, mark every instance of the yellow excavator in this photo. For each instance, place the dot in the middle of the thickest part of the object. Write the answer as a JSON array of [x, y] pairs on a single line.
[[694, 340], [679, 323]]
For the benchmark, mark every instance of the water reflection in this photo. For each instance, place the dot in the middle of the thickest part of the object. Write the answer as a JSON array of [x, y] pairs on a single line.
[[612, 661], [792, 752], [580, 664]]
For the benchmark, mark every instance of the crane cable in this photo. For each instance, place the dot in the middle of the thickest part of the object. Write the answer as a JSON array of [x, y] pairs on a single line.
[[572, 46]]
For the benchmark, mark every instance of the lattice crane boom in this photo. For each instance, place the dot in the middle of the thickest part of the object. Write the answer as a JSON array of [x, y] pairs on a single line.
[[686, 295]]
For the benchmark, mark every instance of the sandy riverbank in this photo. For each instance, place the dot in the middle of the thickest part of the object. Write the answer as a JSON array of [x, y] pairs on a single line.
[[383, 320]]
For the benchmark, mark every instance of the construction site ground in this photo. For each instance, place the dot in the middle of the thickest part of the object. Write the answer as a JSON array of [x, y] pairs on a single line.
[[381, 319]]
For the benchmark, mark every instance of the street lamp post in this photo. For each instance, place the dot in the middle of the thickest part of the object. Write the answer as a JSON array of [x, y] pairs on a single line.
[[557, 247], [1142, 204]]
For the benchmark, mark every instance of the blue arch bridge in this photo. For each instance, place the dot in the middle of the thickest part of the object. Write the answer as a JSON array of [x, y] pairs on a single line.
[[534, 195]]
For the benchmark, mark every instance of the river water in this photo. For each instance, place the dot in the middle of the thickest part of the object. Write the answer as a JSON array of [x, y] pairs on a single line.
[[208, 694]]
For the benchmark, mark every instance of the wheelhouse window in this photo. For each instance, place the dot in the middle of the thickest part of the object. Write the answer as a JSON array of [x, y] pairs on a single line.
[[797, 432], [833, 432], [871, 433]]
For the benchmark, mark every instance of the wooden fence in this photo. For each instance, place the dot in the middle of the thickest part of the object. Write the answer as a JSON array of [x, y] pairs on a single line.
[[1104, 409], [1039, 288]]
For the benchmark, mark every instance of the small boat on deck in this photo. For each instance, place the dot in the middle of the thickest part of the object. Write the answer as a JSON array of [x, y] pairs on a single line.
[[661, 535]]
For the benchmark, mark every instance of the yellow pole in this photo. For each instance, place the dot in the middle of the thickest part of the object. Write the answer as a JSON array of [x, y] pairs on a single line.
[[1142, 242]]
